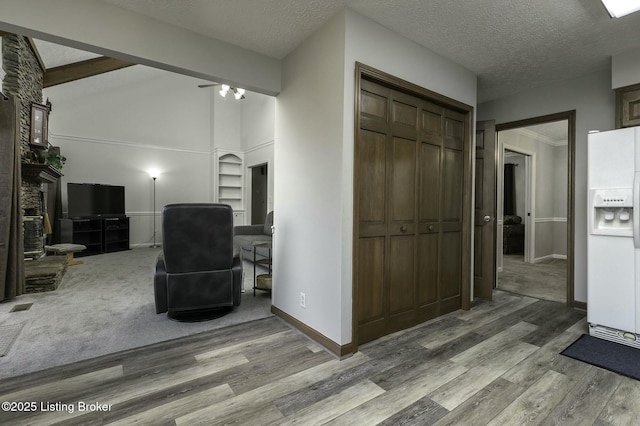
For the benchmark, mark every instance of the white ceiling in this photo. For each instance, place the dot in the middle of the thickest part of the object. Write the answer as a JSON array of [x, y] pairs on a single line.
[[554, 133], [55, 55], [510, 44]]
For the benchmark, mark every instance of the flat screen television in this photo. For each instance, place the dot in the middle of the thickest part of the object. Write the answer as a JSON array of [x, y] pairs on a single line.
[[93, 199]]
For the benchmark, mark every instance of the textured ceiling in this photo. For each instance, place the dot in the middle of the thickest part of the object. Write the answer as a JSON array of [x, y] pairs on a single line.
[[55, 55], [511, 45], [554, 133]]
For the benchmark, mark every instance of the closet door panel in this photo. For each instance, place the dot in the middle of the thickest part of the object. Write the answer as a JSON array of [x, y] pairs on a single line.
[[371, 272], [452, 186], [429, 183], [402, 188], [427, 283], [372, 163], [401, 274]]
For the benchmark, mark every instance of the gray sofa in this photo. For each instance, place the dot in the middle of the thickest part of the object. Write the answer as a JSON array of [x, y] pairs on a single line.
[[246, 236]]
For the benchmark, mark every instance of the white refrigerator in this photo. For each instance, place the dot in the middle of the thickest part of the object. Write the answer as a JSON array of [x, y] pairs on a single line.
[[613, 242]]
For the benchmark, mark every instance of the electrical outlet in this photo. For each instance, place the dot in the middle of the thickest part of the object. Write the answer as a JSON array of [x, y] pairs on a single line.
[[303, 300]]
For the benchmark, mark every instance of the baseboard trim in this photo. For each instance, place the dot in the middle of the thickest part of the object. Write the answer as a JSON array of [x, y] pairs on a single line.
[[549, 257], [330, 345], [144, 245], [580, 305]]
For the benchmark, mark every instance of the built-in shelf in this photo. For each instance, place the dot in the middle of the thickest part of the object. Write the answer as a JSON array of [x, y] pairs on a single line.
[[230, 182]]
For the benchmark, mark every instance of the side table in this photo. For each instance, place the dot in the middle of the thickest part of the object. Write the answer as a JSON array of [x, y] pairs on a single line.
[[262, 281]]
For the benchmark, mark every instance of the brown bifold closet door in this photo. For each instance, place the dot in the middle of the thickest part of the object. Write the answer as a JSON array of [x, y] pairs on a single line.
[[409, 188]]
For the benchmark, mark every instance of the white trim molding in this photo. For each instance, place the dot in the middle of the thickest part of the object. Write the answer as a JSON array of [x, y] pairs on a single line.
[[84, 139], [550, 219], [259, 147], [145, 214], [549, 257], [539, 137]]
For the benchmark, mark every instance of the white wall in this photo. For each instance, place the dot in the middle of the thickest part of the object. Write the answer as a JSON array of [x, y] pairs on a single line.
[[225, 134], [550, 204], [245, 126], [226, 122], [113, 128], [258, 112], [519, 182], [308, 182], [263, 154], [314, 159], [257, 141], [520, 185], [549, 215], [91, 25], [625, 69], [592, 98]]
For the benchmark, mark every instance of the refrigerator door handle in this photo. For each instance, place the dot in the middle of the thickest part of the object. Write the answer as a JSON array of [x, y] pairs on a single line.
[[636, 210]]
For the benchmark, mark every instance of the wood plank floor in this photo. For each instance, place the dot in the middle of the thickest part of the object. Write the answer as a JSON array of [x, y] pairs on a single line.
[[497, 364], [544, 280]]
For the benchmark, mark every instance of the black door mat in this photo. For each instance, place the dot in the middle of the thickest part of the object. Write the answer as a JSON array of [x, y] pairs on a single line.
[[616, 357]]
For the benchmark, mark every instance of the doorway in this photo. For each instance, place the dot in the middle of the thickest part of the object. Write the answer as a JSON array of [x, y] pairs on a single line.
[[258, 194], [534, 250], [517, 201]]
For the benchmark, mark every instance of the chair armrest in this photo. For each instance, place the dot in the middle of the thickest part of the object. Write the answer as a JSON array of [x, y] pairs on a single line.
[[236, 273], [160, 285], [248, 230]]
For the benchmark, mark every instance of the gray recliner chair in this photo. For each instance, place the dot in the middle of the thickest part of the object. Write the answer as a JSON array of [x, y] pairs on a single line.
[[197, 274]]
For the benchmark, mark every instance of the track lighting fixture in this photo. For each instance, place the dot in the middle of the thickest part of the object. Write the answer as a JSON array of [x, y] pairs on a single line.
[[238, 93]]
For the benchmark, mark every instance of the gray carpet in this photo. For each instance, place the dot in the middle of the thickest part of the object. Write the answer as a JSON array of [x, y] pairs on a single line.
[[8, 335], [103, 306]]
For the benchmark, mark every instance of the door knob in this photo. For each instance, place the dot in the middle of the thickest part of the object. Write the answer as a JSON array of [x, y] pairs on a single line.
[[403, 229], [487, 219]]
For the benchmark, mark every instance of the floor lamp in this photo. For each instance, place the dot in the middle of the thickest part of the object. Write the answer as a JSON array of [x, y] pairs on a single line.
[[154, 176]]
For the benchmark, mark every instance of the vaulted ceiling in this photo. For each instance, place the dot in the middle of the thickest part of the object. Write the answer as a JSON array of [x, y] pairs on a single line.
[[511, 45], [63, 64]]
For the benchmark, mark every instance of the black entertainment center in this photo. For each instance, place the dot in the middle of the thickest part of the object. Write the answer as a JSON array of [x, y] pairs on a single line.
[[96, 218]]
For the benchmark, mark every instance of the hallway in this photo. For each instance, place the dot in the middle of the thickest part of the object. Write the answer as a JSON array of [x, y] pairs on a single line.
[[545, 280]]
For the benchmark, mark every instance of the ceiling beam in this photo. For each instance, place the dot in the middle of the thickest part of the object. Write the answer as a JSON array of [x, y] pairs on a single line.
[[83, 69]]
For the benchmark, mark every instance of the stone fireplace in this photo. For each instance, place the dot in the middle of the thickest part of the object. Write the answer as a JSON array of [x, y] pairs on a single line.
[[39, 194], [38, 181], [23, 79]]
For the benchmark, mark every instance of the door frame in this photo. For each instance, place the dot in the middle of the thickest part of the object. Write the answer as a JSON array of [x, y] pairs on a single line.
[[249, 185], [530, 194], [483, 286], [570, 117], [363, 71]]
